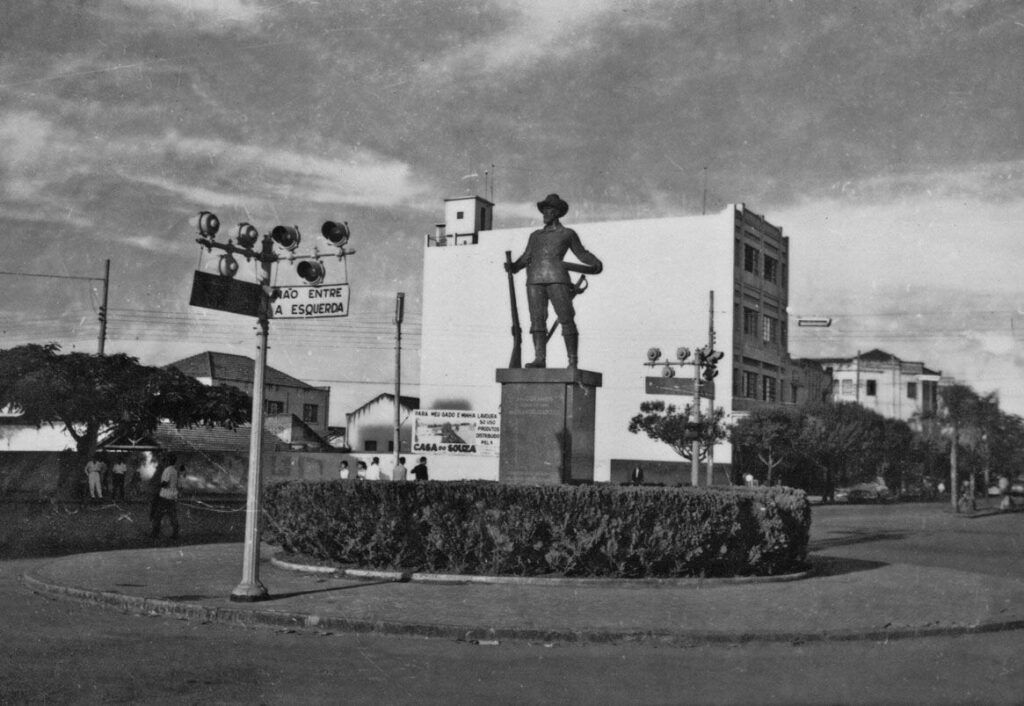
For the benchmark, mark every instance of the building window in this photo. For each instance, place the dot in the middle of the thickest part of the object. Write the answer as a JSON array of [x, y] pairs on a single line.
[[911, 390], [274, 407], [770, 330], [793, 391], [750, 385], [771, 269], [370, 445], [784, 333], [391, 446], [310, 413], [770, 389], [846, 387], [749, 321], [458, 215], [870, 388], [751, 260]]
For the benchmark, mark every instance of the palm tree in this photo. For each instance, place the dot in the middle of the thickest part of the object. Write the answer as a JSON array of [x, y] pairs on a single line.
[[964, 415]]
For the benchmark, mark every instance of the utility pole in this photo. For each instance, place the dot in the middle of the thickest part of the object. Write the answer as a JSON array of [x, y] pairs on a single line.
[[695, 444], [711, 396], [103, 308], [399, 314]]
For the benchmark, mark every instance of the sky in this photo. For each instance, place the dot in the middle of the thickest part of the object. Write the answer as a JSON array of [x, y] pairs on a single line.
[[886, 139]]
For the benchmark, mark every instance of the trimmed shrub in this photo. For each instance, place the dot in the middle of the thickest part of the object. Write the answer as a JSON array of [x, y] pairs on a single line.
[[491, 528]]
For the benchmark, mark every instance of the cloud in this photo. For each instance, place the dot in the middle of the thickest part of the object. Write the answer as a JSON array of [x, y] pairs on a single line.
[[205, 15]]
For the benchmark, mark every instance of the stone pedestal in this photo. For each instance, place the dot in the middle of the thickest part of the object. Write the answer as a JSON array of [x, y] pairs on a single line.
[[547, 425]]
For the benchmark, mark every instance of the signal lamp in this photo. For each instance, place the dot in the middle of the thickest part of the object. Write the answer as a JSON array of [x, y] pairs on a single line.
[[682, 354], [246, 235], [653, 354], [207, 224], [336, 233], [668, 372], [287, 237], [312, 271], [228, 266]]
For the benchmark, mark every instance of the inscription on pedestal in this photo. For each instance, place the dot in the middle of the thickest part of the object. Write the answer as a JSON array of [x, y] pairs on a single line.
[[547, 425]]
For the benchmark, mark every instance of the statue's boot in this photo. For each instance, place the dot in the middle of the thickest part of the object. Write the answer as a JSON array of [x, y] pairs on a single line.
[[572, 343], [540, 350]]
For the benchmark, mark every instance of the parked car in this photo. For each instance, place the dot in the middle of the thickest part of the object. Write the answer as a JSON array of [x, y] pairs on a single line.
[[869, 493]]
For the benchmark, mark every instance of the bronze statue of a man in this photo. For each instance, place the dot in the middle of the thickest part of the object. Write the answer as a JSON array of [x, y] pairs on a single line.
[[547, 279]]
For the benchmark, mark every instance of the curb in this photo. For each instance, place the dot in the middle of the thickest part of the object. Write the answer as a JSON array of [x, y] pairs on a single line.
[[423, 577], [255, 618]]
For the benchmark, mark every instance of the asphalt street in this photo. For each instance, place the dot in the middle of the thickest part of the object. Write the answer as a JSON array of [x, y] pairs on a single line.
[[58, 651]]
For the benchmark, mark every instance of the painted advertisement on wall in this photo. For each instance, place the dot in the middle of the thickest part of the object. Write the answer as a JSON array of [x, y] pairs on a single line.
[[456, 432]]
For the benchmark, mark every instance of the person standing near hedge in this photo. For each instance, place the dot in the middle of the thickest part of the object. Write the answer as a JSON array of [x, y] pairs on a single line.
[[119, 471], [167, 499], [419, 471], [94, 472], [399, 472]]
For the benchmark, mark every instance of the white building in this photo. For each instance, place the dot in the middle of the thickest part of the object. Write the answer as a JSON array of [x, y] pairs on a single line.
[[371, 428], [654, 292], [883, 383]]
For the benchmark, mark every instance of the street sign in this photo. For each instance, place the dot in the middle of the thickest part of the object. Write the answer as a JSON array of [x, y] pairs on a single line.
[[304, 302], [225, 294], [677, 386]]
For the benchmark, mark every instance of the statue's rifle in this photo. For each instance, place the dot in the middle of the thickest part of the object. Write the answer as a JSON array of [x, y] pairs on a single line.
[[517, 331], [579, 288]]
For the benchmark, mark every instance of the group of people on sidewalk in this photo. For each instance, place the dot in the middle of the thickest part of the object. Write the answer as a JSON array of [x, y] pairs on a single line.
[[373, 472], [99, 475]]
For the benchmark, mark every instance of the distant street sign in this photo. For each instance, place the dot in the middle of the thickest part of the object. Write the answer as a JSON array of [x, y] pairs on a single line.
[[319, 302], [225, 294], [677, 386], [816, 321]]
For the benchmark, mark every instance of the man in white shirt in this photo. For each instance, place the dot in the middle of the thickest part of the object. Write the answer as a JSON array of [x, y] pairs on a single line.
[[373, 473], [94, 470], [167, 500], [399, 472]]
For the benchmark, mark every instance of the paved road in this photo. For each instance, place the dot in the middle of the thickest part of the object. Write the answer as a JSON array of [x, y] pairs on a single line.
[[55, 651]]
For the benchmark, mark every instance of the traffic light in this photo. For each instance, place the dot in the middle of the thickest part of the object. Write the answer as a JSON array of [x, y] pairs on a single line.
[[228, 266], [668, 371], [287, 237], [682, 354], [710, 363], [312, 271], [207, 224], [653, 354], [335, 233], [246, 235]]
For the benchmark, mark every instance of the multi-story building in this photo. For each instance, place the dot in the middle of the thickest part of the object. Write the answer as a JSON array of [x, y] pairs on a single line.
[[658, 280], [881, 382], [283, 394]]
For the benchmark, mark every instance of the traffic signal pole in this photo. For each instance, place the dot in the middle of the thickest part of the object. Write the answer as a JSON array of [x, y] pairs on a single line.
[[711, 396], [695, 447], [250, 589]]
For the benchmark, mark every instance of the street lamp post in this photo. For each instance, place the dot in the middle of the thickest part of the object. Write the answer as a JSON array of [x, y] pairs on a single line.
[[225, 294]]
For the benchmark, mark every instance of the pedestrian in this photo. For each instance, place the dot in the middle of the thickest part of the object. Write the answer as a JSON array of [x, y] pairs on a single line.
[[343, 471], [94, 472], [361, 470], [119, 470], [638, 475], [419, 471], [167, 499], [1004, 493], [373, 473], [399, 472], [154, 483]]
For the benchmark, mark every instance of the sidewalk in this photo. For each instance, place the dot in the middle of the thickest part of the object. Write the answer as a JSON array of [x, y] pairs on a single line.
[[843, 599]]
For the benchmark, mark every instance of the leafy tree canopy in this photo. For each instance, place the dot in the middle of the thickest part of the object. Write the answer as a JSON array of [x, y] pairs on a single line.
[[114, 394], [769, 433], [669, 424]]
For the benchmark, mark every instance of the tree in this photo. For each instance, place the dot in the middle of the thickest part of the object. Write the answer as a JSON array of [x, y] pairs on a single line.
[[769, 433], [670, 425], [963, 414], [94, 395], [836, 439]]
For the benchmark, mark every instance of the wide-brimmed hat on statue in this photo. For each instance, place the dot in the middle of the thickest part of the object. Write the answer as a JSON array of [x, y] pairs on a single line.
[[553, 201]]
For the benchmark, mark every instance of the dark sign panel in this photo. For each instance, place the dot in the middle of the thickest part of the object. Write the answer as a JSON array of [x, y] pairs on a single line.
[[677, 386], [226, 294]]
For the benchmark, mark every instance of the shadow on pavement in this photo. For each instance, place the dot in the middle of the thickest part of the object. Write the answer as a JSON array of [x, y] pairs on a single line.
[[362, 584], [848, 537], [837, 566]]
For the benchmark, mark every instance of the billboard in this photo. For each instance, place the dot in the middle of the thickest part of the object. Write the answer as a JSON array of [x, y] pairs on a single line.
[[456, 432]]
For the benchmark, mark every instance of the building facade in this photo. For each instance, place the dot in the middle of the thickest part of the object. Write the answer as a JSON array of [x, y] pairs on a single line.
[[283, 394], [371, 428], [656, 290], [883, 383]]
